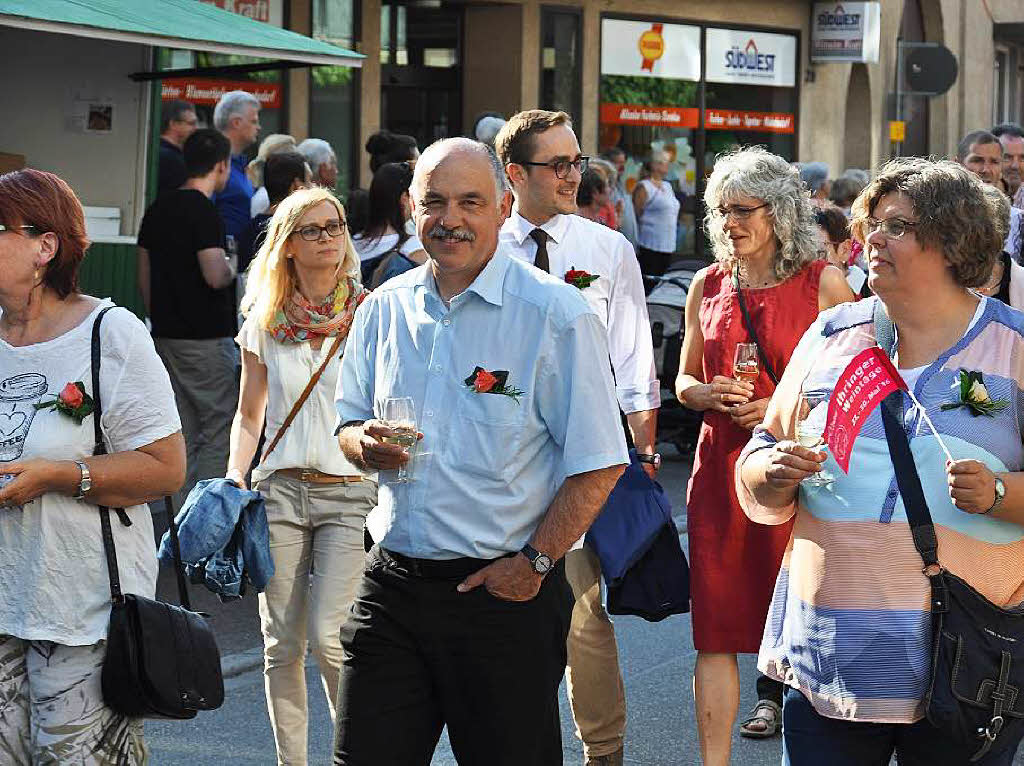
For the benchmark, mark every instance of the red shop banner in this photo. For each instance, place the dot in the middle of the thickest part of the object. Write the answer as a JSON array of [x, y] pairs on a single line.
[[658, 116], [759, 122], [204, 91]]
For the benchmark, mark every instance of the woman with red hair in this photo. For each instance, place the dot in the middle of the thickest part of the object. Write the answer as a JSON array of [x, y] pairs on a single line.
[[54, 587]]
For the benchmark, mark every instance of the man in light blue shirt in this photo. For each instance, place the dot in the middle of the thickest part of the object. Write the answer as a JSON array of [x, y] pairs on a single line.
[[463, 610]]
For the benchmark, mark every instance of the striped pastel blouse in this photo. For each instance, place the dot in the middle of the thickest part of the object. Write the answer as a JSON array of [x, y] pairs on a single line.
[[849, 622]]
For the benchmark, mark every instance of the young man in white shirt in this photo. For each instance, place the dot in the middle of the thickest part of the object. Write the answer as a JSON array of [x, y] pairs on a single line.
[[544, 165]]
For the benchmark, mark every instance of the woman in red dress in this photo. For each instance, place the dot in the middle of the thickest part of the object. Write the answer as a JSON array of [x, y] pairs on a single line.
[[765, 244]]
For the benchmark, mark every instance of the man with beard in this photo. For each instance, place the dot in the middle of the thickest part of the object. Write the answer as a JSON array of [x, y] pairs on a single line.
[[982, 154], [543, 162], [1011, 138], [462, 614]]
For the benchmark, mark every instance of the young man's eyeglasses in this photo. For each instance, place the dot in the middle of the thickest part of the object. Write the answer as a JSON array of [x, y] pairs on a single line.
[[562, 167], [891, 228], [739, 212], [312, 232]]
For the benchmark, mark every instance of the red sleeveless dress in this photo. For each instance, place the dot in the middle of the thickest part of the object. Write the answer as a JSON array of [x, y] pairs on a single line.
[[734, 562]]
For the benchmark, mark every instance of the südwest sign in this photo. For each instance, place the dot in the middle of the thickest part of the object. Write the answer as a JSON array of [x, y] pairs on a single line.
[[750, 58], [849, 31]]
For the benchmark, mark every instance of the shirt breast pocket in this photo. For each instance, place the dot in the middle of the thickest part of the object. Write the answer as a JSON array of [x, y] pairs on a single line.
[[489, 429]]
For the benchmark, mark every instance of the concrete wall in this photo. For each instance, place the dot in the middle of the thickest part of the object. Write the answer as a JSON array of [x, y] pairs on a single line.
[[492, 59], [40, 105]]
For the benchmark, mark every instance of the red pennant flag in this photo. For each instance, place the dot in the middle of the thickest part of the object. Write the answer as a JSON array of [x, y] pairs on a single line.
[[866, 381]]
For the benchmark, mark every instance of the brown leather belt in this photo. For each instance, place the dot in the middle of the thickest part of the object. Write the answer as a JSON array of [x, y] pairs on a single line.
[[310, 476]]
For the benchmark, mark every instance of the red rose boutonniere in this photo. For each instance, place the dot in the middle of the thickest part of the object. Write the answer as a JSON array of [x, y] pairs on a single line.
[[493, 382], [72, 401], [579, 278]]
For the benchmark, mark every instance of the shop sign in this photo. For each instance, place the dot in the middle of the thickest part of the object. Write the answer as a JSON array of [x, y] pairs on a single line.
[[757, 122], [646, 49], [751, 58], [268, 11], [208, 92], [848, 31], [658, 116]]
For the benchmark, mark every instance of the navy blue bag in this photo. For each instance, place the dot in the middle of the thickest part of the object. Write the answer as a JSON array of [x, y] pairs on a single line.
[[658, 585]]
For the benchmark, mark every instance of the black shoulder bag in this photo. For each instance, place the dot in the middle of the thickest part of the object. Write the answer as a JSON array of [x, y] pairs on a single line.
[[162, 660], [749, 325], [976, 690]]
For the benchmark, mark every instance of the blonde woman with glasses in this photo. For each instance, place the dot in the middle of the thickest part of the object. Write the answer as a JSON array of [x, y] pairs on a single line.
[[301, 296]]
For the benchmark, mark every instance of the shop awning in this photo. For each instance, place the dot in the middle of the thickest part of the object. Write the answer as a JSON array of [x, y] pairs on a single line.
[[187, 24]]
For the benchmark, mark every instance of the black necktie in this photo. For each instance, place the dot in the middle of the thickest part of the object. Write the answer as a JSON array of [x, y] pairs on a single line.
[[541, 260]]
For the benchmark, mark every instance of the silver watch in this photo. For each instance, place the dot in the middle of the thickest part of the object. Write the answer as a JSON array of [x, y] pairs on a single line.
[[1000, 494], [85, 484]]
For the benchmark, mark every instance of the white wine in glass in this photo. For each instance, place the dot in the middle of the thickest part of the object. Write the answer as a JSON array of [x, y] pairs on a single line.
[[400, 416], [810, 430], [746, 365]]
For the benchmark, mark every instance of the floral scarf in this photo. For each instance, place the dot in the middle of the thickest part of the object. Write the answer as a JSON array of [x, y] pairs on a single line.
[[300, 320]]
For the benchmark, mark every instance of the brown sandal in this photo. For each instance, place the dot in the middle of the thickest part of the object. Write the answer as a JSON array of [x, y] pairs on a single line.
[[767, 714]]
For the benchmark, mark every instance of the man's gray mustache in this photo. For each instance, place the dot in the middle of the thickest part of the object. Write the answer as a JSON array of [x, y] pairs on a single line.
[[442, 232]]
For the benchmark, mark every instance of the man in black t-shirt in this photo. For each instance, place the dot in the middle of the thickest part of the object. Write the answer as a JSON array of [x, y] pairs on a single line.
[[187, 285], [177, 124]]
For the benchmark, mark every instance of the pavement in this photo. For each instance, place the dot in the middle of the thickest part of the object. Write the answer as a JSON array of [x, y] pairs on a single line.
[[656, 659]]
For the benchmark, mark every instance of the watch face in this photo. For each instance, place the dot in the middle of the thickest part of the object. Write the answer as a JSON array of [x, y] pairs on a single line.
[[542, 564]]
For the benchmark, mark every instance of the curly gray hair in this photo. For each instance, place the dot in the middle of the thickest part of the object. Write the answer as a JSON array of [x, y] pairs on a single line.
[[756, 172]]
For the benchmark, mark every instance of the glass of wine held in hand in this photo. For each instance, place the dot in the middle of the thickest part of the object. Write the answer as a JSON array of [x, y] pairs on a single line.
[[400, 416], [745, 364], [810, 430]]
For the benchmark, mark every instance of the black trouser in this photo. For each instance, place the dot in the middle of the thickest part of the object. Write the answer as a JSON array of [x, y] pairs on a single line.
[[419, 655], [654, 263], [770, 689]]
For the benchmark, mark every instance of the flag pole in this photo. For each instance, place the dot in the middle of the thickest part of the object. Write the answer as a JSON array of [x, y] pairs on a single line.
[[928, 420]]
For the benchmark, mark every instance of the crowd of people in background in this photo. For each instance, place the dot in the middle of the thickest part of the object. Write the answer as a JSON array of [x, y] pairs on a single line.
[[284, 322]]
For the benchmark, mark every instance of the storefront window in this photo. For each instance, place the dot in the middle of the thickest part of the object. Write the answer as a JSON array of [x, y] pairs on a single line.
[[649, 94], [652, 92], [751, 92], [560, 61], [333, 99]]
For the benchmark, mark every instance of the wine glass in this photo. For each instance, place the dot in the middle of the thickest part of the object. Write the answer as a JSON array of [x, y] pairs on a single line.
[[400, 416], [745, 364], [810, 431]]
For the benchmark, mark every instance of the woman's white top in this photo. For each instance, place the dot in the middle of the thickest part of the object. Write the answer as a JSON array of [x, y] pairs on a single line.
[[855, 278], [53, 571], [260, 202], [309, 441], [659, 219], [371, 248]]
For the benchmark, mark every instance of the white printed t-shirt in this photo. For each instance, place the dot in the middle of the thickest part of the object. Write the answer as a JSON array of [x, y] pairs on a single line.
[[53, 572]]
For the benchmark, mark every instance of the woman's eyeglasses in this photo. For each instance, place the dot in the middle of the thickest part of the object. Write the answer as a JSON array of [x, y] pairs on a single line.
[[562, 167], [32, 229], [312, 232], [891, 228], [739, 212]]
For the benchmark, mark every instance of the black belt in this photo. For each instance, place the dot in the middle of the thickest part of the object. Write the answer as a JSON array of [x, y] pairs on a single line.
[[435, 569]]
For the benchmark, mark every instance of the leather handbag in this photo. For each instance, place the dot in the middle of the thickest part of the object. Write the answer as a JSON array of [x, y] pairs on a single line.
[[162, 660], [975, 694]]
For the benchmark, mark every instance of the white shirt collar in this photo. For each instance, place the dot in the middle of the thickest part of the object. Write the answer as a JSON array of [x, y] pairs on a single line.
[[556, 228]]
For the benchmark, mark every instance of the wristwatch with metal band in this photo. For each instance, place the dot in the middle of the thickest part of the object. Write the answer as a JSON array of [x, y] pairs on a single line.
[[541, 562], [85, 484], [1000, 494], [654, 459]]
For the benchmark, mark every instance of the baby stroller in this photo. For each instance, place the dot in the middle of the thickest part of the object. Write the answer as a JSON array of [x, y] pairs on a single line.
[[666, 305]]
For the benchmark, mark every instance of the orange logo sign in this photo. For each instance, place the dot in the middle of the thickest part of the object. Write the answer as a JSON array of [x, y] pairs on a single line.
[[652, 46]]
